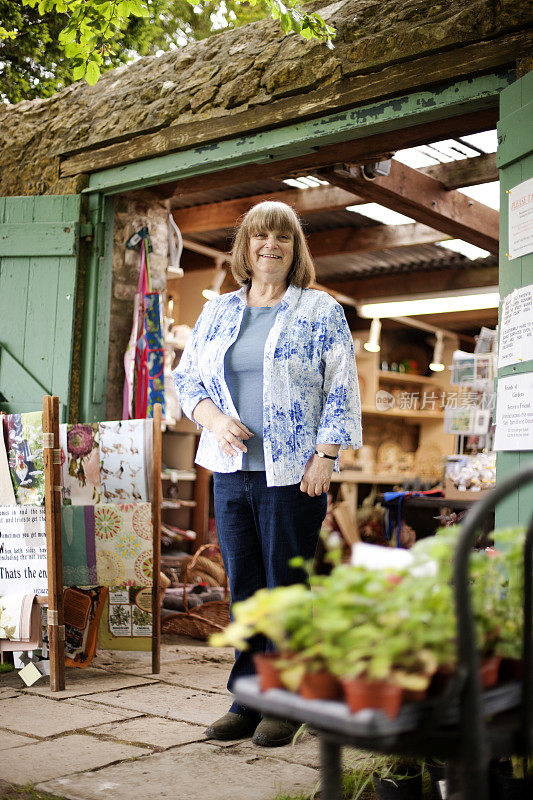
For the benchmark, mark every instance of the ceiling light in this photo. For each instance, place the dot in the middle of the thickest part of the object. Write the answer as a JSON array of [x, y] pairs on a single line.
[[373, 345], [436, 363], [214, 289], [381, 214], [442, 303], [471, 251]]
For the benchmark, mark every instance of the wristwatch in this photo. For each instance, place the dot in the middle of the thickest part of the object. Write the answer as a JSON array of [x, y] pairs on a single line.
[[320, 454]]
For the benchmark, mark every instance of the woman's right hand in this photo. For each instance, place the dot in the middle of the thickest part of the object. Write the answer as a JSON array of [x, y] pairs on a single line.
[[229, 434]]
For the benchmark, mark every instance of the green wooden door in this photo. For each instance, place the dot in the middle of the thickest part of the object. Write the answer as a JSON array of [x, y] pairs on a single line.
[[515, 160], [39, 244]]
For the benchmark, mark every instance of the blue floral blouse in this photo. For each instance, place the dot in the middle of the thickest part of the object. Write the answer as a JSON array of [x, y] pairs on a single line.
[[310, 389]]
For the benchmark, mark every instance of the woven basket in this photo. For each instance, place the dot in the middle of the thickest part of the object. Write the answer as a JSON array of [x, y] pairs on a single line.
[[205, 619]]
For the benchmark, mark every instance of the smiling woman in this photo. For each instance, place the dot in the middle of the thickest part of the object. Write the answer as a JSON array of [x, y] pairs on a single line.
[[269, 372]]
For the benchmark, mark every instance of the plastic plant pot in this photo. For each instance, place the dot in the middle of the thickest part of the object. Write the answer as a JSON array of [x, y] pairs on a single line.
[[489, 671], [382, 695], [404, 788], [267, 671]]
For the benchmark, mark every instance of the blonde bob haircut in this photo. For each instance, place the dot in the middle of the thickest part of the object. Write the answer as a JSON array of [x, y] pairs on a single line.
[[272, 216]]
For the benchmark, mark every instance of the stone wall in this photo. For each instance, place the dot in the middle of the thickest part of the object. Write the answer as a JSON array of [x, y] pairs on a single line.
[[130, 216], [231, 72]]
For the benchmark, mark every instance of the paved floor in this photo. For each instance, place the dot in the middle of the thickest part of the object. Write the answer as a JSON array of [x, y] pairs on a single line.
[[119, 731]]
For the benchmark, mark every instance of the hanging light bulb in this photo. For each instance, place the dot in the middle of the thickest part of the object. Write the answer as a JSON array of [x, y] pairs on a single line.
[[214, 289], [436, 364], [373, 345]]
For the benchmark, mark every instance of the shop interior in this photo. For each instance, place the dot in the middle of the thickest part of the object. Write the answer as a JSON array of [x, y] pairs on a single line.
[[419, 225]]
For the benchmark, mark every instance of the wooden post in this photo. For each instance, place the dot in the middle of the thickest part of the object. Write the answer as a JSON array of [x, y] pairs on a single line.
[[200, 514], [156, 518], [56, 623]]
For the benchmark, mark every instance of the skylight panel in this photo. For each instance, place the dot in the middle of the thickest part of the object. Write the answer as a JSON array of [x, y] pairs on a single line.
[[415, 158], [465, 248], [486, 141], [381, 214]]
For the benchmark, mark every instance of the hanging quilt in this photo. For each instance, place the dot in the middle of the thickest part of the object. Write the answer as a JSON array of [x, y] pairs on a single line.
[[123, 534], [126, 460], [80, 464], [156, 353], [24, 433], [79, 548]]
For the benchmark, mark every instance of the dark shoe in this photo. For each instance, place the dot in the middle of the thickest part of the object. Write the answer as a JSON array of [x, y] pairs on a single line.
[[231, 726], [274, 732]]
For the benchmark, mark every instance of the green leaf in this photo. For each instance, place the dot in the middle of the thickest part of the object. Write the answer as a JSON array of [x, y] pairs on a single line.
[[67, 35], [93, 73], [79, 72]]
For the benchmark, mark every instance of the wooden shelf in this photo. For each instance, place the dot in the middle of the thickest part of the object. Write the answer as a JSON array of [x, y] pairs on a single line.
[[406, 377], [177, 475], [414, 416], [357, 476]]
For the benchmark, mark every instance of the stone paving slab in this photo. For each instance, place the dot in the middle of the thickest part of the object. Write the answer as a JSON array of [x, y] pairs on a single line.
[[164, 700], [9, 740], [207, 677], [43, 717], [305, 751], [54, 758], [80, 682], [152, 731], [195, 771]]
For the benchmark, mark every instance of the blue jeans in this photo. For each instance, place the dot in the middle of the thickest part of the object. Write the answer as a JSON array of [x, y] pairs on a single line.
[[260, 529]]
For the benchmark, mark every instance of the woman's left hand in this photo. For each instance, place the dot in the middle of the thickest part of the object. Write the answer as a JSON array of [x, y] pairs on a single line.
[[317, 476]]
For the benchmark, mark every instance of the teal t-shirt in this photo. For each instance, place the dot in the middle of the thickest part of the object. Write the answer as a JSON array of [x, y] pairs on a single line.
[[243, 369]]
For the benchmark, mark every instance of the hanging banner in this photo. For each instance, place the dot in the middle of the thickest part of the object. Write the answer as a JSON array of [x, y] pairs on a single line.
[[521, 219]]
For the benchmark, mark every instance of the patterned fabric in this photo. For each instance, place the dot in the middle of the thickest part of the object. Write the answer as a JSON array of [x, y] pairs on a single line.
[[154, 340], [123, 534], [24, 433], [7, 495], [126, 460], [79, 553], [310, 389], [80, 464]]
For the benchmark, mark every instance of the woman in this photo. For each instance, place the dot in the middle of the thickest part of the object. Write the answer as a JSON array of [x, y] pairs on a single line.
[[269, 374]]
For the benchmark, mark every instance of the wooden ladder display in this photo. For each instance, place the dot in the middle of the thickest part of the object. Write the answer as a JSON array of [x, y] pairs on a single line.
[[54, 600]]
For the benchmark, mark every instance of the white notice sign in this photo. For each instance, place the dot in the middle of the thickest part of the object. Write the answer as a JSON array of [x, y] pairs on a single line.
[[514, 413], [516, 337], [23, 550], [521, 219]]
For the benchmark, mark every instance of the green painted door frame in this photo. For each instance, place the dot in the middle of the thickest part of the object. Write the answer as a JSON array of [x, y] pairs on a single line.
[[515, 160], [447, 101]]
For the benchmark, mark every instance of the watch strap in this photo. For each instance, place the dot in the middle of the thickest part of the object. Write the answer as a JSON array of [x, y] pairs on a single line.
[[320, 454]]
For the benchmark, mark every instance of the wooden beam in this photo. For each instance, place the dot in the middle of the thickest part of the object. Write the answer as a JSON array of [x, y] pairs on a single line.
[[378, 237], [467, 172], [425, 199], [412, 283], [466, 61], [362, 151], [225, 214]]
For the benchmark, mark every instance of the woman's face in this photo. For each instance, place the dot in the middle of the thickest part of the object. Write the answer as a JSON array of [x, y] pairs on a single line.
[[271, 254]]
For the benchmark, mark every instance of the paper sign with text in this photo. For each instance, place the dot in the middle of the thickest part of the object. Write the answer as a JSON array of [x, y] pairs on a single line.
[[521, 219], [514, 413], [23, 550], [516, 328]]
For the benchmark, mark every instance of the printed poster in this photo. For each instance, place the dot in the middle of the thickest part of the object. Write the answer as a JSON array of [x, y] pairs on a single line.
[[521, 219], [23, 566], [25, 454], [130, 612]]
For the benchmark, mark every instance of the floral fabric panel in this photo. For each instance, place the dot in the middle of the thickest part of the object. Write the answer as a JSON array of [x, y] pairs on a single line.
[[80, 464], [154, 341], [123, 535], [24, 434], [7, 494], [79, 547], [126, 460]]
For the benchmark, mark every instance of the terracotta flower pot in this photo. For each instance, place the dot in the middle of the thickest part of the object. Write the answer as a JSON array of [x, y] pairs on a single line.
[[489, 670], [360, 693], [320, 685], [267, 671]]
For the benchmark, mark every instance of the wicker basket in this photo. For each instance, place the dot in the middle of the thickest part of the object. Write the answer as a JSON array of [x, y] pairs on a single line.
[[205, 619]]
